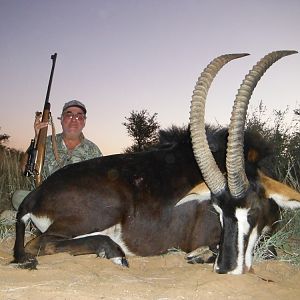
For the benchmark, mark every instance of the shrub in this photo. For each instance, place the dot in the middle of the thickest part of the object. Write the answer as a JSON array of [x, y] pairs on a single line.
[[11, 177]]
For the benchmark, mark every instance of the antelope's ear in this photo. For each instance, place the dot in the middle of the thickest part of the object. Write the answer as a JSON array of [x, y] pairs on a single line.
[[282, 194], [200, 189], [199, 193]]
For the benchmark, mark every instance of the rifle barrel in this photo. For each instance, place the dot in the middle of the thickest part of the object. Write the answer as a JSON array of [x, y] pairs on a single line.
[[53, 57]]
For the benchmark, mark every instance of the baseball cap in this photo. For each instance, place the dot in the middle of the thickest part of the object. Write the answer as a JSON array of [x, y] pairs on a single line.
[[74, 103]]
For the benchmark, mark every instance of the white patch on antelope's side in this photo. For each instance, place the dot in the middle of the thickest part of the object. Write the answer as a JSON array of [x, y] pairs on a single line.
[[42, 223], [115, 233], [220, 212], [243, 229], [249, 252]]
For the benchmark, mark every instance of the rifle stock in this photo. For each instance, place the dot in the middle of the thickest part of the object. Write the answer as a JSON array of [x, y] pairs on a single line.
[[41, 146], [36, 154]]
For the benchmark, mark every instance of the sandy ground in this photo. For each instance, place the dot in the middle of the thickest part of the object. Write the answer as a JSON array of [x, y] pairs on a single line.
[[62, 276]]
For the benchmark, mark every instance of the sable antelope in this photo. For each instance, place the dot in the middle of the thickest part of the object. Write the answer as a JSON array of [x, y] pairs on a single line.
[[146, 203]]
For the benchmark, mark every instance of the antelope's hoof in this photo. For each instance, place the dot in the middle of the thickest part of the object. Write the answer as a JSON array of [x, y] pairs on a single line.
[[29, 263], [200, 256], [121, 261]]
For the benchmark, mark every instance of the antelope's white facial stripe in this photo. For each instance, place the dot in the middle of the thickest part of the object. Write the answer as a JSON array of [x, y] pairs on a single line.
[[220, 212], [115, 233], [251, 243], [42, 223], [243, 229]]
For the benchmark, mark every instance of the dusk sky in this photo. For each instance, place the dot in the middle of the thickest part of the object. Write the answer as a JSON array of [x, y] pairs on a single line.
[[119, 56]]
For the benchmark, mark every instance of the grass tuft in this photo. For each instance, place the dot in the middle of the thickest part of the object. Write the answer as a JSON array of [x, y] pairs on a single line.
[[7, 229], [11, 178], [286, 240]]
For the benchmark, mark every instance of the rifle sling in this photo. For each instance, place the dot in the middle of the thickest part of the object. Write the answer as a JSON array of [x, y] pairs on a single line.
[[54, 142]]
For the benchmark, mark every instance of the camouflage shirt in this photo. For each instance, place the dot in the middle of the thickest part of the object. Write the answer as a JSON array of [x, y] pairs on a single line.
[[84, 151]]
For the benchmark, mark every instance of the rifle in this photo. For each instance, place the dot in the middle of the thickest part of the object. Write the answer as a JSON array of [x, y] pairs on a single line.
[[36, 150]]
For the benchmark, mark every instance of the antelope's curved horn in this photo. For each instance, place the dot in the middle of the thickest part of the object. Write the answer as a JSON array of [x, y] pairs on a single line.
[[210, 171], [235, 164]]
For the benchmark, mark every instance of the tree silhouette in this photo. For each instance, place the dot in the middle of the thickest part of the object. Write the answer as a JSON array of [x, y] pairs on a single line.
[[142, 128], [3, 137]]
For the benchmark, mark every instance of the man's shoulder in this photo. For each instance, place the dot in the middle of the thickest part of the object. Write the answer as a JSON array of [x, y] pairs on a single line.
[[91, 147], [89, 143]]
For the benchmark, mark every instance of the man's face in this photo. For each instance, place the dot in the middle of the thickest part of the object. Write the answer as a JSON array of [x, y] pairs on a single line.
[[73, 121]]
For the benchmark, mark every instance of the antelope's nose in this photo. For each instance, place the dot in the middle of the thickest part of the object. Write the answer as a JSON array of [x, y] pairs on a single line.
[[220, 271]]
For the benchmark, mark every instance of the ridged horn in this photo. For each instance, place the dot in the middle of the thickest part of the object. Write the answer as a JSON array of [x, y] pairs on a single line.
[[235, 164], [205, 160]]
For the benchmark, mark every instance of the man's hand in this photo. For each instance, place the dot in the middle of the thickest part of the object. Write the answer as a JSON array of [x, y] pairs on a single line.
[[38, 125]]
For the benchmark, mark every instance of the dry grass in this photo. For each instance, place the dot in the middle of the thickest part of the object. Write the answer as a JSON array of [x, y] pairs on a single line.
[[7, 228], [286, 240], [11, 178]]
